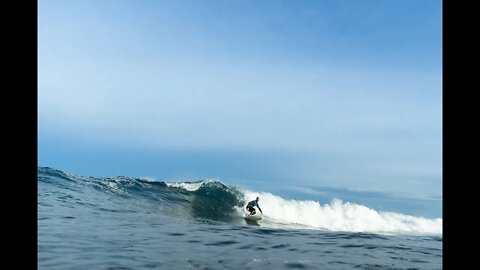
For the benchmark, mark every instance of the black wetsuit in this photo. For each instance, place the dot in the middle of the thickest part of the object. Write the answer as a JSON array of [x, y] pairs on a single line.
[[250, 207]]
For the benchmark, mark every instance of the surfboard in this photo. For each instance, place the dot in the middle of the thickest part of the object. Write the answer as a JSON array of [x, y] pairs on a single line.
[[255, 217]]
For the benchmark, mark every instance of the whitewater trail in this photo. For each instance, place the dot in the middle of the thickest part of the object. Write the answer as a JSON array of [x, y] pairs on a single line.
[[341, 216]]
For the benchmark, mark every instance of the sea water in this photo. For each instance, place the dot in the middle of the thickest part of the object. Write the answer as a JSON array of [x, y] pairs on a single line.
[[88, 222]]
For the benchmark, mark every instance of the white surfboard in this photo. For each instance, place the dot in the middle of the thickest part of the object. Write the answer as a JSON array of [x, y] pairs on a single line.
[[255, 217]]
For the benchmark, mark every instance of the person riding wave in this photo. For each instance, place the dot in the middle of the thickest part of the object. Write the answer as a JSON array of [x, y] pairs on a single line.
[[251, 205]]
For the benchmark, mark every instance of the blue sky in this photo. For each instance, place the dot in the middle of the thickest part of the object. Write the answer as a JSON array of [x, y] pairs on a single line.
[[344, 94]]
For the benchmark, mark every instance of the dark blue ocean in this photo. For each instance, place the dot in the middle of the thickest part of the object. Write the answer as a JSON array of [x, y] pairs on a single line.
[[89, 222]]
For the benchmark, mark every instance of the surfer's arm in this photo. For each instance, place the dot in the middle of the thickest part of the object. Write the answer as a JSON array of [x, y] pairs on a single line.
[[259, 208]]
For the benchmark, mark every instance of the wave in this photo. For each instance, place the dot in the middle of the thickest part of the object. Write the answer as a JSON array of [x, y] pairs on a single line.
[[215, 201]]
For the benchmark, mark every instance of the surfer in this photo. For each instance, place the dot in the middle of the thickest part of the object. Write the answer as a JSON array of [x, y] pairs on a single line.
[[250, 206]]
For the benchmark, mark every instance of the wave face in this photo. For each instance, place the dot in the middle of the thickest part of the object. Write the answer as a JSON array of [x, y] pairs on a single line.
[[213, 201]]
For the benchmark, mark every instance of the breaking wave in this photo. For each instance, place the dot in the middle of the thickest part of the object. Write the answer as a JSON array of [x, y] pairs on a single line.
[[217, 202]]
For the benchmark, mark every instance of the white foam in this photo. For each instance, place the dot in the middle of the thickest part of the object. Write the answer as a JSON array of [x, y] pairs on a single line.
[[189, 186], [148, 179], [341, 216]]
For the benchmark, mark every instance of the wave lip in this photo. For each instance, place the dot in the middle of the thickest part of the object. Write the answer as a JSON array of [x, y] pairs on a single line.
[[189, 186]]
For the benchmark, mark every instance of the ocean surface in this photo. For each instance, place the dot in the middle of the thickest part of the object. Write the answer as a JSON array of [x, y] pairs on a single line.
[[89, 222]]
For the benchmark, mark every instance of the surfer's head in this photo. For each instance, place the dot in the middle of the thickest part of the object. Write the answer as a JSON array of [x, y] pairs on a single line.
[[258, 199]]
